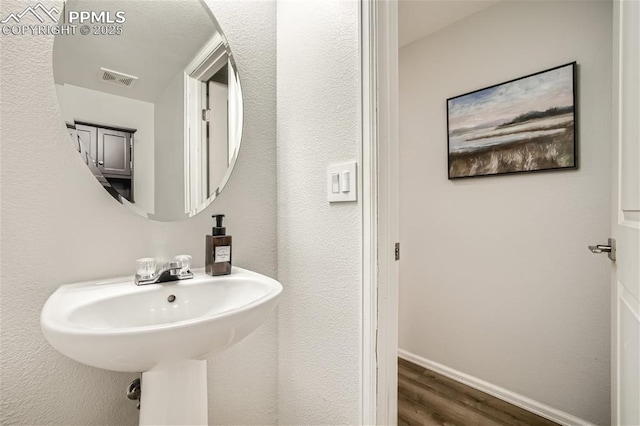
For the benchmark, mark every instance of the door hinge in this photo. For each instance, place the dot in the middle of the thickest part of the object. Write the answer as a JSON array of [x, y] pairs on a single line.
[[206, 115], [397, 251]]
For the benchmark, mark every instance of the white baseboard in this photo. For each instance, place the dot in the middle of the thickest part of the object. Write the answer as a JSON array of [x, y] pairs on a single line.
[[518, 400]]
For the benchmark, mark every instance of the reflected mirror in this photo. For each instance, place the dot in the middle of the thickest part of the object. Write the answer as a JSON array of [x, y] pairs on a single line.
[[151, 97]]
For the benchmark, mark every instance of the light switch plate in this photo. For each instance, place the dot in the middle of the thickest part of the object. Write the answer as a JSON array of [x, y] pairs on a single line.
[[342, 170]]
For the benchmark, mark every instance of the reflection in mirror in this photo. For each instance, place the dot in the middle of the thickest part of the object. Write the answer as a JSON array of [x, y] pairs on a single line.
[[153, 104]]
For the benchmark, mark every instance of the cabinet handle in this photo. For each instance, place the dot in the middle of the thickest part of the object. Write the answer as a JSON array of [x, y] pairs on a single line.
[[101, 163]]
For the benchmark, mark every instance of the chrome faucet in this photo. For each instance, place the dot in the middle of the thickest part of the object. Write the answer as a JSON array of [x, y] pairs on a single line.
[[176, 270]]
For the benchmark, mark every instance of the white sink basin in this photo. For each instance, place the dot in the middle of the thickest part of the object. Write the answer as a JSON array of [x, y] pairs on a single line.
[[116, 325], [119, 326]]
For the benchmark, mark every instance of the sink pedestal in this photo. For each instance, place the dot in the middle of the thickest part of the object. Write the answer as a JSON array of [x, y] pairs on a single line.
[[174, 393]]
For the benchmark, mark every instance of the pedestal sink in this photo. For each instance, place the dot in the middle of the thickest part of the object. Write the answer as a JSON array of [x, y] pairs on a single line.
[[166, 331]]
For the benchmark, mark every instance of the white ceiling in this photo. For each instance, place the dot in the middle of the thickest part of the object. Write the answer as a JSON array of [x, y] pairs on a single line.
[[159, 39], [419, 18]]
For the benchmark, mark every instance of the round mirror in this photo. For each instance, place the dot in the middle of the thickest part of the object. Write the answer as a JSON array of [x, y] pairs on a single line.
[[151, 97]]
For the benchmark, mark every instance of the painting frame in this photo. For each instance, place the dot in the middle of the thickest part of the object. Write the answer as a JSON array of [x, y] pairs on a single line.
[[458, 161]]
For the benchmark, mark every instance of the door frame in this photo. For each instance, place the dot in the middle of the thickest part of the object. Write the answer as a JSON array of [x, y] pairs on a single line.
[[209, 60], [380, 211], [380, 181]]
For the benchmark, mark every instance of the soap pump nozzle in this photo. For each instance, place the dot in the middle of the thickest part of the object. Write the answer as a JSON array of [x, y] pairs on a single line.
[[218, 229]]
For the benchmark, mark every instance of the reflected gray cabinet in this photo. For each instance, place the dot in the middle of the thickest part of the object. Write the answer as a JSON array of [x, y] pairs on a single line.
[[111, 149], [88, 135], [114, 152]]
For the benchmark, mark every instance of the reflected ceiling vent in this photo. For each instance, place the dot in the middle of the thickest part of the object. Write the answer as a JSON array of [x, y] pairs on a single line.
[[117, 78]]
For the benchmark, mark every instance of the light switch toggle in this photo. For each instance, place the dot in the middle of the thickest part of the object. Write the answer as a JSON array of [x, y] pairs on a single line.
[[335, 183], [345, 181]]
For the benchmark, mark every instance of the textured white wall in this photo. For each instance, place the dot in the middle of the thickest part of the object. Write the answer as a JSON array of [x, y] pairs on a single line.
[[319, 253], [496, 280], [59, 226], [80, 104]]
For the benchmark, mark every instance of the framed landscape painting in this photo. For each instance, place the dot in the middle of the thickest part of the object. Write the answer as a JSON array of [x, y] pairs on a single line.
[[524, 125]]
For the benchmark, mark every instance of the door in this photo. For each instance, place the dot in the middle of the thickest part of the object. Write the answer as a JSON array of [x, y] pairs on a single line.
[[114, 152], [626, 215], [218, 138]]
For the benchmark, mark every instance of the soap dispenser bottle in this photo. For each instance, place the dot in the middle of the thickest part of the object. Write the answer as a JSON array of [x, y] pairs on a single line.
[[218, 249]]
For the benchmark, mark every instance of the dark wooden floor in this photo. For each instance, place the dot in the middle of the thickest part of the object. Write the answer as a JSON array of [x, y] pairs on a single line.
[[428, 398]]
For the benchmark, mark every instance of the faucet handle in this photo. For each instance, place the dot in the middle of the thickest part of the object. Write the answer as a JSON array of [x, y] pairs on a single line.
[[146, 267], [184, 260]]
